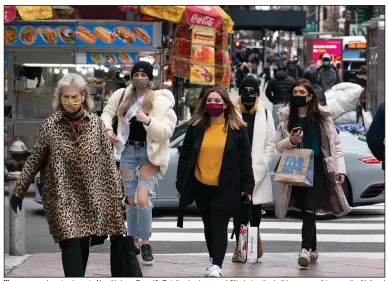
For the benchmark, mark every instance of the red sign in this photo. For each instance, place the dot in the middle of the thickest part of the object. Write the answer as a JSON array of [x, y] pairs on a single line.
[[203, 16], [9, 13], [331, 47], [133, 9]]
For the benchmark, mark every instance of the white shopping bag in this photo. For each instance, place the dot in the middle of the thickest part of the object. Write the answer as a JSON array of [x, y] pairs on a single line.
[[247, 244]]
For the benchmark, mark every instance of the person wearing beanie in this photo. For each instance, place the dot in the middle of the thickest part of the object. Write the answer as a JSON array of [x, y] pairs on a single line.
[[261, 133], [327, 74], [145, 122]]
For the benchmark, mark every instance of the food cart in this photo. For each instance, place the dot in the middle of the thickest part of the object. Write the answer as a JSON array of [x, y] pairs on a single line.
[[39, 53]]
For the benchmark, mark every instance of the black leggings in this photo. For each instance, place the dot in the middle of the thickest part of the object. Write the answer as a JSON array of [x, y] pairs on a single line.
[[215, 223], [75, 255], [309, 231]]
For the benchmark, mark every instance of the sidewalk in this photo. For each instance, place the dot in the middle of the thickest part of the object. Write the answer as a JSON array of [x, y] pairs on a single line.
[[193, 265]]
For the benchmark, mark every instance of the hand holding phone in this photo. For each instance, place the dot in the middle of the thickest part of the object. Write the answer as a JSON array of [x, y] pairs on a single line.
[[295, 131], [296, 135]]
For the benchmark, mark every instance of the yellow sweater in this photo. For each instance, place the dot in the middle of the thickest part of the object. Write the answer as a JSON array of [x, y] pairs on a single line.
[[211, 153]]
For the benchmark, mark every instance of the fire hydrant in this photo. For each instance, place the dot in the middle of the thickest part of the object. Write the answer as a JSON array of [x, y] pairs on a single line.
[[17, 228]]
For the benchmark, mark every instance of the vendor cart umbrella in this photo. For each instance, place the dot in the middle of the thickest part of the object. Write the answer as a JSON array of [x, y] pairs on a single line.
[[209, 16]]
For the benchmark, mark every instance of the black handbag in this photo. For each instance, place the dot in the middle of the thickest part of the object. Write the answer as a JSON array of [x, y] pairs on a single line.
[[123, 260], [115, 119]]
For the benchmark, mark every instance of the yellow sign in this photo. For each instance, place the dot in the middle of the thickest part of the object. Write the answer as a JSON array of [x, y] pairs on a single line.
[[170, 13], [203, 75], [35, 12]]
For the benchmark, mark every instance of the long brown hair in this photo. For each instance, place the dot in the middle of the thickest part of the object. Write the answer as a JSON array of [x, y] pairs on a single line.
[[314, 116], [201, 117]]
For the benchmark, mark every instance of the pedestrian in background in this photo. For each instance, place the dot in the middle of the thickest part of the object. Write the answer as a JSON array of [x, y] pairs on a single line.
[[267, 75], [306, 124], [375, 136], [80, 185], [261, 133], [327, 74], [193, 92], [214, 170], [278, 90], [146, 121]]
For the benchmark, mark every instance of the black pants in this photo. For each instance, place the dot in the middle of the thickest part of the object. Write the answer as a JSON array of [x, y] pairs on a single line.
[[308, 199], [242, 217], [75, 255], [215, 222]]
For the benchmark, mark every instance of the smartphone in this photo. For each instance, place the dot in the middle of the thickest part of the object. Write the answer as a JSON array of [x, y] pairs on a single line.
[[295, 130]]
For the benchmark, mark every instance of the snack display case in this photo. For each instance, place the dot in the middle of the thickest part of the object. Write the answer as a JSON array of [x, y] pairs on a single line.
[[39, 53]]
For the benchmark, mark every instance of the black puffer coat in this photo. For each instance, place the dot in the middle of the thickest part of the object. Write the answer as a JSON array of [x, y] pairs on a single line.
[[279, 87]]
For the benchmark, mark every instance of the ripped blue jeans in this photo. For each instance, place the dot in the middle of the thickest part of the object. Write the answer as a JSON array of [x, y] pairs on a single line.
[[139, 220]]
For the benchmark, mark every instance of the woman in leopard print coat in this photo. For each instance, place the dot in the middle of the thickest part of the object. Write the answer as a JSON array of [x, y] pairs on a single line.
[[81, 187]]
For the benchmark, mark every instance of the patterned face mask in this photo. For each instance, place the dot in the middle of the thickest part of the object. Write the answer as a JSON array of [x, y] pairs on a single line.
[[141, 84], [71, 104]]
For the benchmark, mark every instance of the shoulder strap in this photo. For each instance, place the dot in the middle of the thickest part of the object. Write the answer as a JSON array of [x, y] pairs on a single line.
[[121, 99], [266, 114]]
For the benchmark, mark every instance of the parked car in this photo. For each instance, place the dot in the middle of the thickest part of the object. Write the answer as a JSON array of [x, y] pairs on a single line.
[[364, 182]]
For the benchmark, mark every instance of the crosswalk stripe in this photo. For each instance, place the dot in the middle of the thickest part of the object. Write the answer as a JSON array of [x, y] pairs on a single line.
[[364, 255], [334, 238], [279, 225]]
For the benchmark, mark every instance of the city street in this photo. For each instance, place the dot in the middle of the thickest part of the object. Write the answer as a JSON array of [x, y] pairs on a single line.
[[360, 231], [350, 246]]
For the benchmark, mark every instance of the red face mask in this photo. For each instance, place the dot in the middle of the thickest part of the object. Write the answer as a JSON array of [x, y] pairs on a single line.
[[214, 109]]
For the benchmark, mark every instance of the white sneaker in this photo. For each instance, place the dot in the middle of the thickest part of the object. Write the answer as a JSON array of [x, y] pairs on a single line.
[[304, 258], [314, 256], [215, 271], [209, 267]]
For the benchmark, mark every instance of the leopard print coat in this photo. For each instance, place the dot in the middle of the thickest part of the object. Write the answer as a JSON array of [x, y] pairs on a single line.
[[81, 187]]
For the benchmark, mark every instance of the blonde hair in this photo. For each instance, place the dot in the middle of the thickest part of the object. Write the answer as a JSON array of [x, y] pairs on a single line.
[[76, 81], [202, 119], [131, 98]]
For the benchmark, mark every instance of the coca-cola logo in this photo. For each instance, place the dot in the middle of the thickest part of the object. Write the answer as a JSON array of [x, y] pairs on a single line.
[[202, 20]]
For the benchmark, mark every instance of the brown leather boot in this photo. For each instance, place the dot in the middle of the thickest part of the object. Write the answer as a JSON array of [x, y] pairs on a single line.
[[235, 256], [260, 251]]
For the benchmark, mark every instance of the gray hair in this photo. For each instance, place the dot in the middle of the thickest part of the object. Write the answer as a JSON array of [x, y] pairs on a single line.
[[77, 81]]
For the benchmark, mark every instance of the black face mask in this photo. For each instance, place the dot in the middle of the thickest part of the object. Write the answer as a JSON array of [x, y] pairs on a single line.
[[298, 101], [249, 96]]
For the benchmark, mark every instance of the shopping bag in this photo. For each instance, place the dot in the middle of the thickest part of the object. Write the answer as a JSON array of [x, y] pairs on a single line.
[[296, 167], [247, 241]]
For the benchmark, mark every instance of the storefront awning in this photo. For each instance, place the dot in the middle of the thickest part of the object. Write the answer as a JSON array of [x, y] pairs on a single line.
[[209, 16]]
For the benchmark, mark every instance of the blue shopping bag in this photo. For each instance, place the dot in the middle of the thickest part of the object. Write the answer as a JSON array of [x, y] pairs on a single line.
[[296, 167]]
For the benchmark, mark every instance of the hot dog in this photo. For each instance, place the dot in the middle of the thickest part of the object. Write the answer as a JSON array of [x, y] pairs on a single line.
[[125, 58], [142, 35], [199, 36], [125, 35], [85, 35], [104, 34]]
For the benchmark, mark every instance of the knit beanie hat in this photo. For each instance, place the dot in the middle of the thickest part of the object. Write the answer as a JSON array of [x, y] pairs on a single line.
[[249, 81], [143, 66]]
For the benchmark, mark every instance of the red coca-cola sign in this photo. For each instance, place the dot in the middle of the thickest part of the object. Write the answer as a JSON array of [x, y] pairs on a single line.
[[202, 20], [209, 17]]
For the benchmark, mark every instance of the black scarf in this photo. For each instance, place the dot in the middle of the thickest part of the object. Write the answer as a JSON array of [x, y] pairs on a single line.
[[74, 116]]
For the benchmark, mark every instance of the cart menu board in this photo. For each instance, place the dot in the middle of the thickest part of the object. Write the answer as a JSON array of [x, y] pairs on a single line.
[[111, 58], [79, 35]]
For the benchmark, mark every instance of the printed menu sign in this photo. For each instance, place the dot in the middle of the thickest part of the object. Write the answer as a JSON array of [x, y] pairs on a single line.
[[203, 36], [79, 35]]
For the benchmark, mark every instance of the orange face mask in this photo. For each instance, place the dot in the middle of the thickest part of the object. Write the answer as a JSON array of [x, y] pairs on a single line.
[[71, 104]]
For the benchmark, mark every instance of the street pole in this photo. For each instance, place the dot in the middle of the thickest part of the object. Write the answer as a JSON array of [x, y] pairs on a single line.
[[319, 19], [17, 225]]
